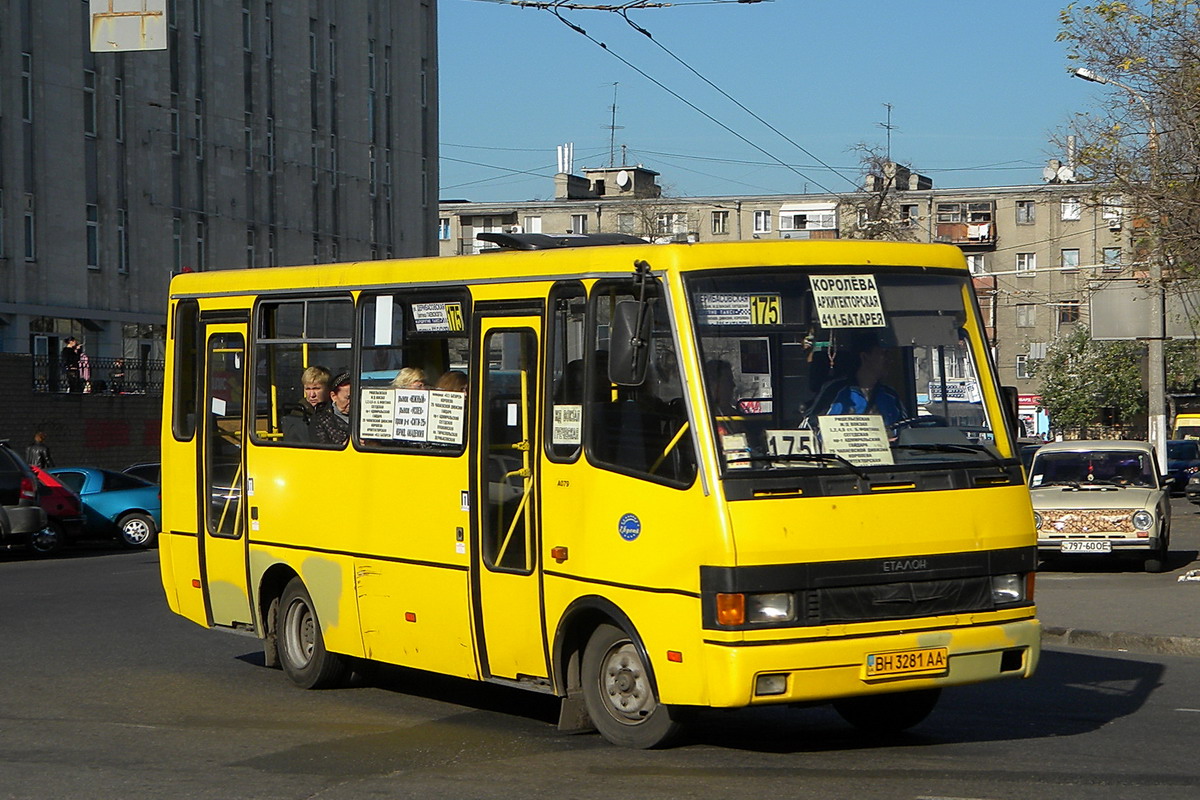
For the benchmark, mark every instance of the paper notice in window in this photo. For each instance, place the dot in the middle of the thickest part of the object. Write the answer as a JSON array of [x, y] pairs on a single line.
[[568, 425], [412, 414], [847, 301], [861, 439], [447, 410], [376, 414]]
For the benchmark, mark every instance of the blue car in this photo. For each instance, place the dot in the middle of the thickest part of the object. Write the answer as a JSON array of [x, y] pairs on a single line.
[[1183, 461], [115, 504]]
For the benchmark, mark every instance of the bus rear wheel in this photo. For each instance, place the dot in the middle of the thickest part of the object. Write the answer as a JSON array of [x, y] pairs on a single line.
[[883, 714], [620, 695], [302, 652]]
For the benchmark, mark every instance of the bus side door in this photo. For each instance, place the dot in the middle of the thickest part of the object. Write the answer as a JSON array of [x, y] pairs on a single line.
[[506, 590], [223, 553]]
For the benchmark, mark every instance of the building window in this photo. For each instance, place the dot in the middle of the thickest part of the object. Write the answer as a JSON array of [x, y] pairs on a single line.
[[119, 108], [89, 102], [30, 237], [174, 131], [1025, 212], [720, 223], [909, 214], [27, 87], [1022, 366], [1026, 315], [1068, 312], [1071, 209], [975, 263], [1112, 259], [251, 246], [1070, 259], [625, 223], [671, 223], [533, 225], [247, 37], [201, 247], [762, 221], [1026, 264], [444, 229], [122, 242], [177, 243], [579, 223], [93, 237]]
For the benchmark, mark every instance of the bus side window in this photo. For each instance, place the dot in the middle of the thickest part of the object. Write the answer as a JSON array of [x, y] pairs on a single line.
[[567, 369], [642, 430], [294, 339], [413, 360], [187, 365]]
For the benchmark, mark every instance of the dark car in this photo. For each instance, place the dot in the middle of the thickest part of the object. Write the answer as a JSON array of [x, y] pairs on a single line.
[[1183, 461], [22, 520], [151, 471], [1192, 490]]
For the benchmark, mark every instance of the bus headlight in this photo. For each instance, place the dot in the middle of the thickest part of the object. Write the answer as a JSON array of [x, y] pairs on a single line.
[[1007, 589], [1143, 520], [770, 607], [1037, 520]]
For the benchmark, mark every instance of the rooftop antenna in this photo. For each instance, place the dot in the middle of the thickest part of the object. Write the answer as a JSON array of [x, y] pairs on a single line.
[[612, 131], [889, 127]]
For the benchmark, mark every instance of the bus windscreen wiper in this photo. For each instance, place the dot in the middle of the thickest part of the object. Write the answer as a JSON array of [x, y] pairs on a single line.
[[950, 447], [825, 458]]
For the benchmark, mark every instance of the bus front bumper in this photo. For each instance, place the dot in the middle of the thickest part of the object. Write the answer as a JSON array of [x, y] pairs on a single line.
[[799, 671]]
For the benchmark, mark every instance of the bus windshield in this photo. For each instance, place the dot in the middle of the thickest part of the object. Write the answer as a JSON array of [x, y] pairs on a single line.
[[850, 370]]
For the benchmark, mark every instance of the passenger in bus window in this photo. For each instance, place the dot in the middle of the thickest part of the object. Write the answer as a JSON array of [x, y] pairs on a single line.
[[297, 425], [858, 386], [410, 378], [452, 381], [331, 423]]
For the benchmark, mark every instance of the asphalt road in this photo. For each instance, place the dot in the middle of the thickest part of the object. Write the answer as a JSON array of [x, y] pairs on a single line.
[[105, 694]]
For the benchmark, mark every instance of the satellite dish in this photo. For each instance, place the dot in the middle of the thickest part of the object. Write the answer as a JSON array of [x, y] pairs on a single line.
[[623, 179], [1066, 174], [1049, 174]]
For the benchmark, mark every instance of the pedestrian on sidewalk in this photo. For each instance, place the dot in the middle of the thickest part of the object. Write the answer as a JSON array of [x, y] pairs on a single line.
[[38, 453]]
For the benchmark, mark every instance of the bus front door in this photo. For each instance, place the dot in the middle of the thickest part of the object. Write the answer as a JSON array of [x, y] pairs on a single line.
[[221, 487], [507, 585]]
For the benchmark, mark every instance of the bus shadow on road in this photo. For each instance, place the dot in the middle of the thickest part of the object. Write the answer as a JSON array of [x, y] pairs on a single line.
[[1072, 693]]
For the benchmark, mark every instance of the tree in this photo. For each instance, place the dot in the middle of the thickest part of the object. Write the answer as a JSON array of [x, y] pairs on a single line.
[[1143, 143], [877, 207], [1080, 376]]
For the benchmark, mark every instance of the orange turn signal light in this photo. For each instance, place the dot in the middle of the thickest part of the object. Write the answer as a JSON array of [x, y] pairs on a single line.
[[731, 609], [410, 616]]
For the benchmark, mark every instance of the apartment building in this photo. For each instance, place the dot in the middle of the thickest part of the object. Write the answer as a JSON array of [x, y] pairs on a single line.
[[269, 132], [1035, 251]]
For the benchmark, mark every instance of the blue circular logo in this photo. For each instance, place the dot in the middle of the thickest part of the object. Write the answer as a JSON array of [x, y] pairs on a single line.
[[630, 527]]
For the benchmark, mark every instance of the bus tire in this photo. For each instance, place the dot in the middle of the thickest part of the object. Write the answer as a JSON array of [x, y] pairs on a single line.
[[302, 652], [883, 714], [620, 695]]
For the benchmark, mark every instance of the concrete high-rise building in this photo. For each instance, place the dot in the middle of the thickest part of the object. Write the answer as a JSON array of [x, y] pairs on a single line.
[[269, 132]]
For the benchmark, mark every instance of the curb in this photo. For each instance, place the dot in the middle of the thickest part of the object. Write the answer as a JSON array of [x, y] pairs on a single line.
[[1125, 642]]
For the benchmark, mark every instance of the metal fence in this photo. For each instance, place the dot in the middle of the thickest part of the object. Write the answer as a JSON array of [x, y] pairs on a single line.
[[99, 376]]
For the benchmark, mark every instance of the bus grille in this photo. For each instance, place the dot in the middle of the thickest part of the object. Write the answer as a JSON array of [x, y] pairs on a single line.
[[842, 604]]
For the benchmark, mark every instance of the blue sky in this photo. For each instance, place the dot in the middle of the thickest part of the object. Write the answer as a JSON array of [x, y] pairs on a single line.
[[976, 88]]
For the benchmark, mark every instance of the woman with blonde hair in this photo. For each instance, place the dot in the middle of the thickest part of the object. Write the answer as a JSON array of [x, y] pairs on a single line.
[[410, 378]]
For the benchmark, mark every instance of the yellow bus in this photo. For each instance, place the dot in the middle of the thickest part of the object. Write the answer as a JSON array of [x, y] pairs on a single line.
[[678, 476]]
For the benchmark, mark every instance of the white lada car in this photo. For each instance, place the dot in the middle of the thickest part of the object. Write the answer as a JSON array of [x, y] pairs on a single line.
[[1095, 498]]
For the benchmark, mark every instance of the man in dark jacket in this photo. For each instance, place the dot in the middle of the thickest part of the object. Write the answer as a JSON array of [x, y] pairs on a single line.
[[38, 454], [331, 423]]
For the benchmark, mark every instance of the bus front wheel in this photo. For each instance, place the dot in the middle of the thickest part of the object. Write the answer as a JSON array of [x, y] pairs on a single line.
[[619, 692], [883, 714], [302, 652]]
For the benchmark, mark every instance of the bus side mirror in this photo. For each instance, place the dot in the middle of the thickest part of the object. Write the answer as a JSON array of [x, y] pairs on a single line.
[[629, 344], [1012, 405]]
